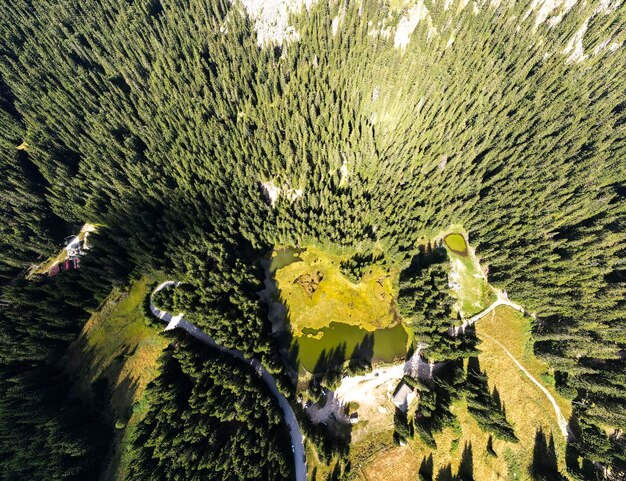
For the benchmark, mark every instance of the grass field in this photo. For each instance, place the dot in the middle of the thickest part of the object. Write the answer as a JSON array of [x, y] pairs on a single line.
[[118, 352], [527, 409], [316, 294], [513, 330], [471, 288]]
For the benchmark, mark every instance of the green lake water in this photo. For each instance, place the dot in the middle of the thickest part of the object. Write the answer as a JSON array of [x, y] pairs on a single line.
[[284, 257], [456, 242], [389, 344]]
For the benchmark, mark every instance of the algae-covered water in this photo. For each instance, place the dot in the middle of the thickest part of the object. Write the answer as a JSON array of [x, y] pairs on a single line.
[[381, 345], [284, 257], [388, 344], [456, 242]]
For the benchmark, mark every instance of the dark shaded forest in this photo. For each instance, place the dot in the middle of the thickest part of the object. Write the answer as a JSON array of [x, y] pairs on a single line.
[[210, 417], [161, 119]]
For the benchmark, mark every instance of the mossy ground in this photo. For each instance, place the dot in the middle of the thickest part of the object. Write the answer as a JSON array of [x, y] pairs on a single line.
[[316, 294], [119, 352]]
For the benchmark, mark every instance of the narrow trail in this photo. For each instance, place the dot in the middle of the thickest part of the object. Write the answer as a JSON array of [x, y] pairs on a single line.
[[179, 322], [563, 425], [503, 300]]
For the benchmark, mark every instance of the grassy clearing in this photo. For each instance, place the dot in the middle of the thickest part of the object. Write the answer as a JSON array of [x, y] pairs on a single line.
[[513, 330], [527, 409], [114, 359], [393, 463], [468, 281], [370, 454], [316, 294], [467, 278], [474, 293]]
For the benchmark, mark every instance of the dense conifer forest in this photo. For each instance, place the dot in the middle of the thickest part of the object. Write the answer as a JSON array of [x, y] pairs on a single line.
[[220, 418], [162, 121]]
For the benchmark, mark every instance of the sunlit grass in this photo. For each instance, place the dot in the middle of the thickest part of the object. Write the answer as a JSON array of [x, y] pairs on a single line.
[[513, 330], [117, 345], [367, 304], [527, 409], [469, 283]]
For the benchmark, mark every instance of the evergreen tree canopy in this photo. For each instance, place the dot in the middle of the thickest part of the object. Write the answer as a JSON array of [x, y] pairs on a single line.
[[197, 150]]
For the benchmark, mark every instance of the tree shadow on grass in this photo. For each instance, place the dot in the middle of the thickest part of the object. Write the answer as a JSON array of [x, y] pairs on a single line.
[[575, 454], [466, 468], [445, 473], [426, 469], [544, 465], [486, 407]]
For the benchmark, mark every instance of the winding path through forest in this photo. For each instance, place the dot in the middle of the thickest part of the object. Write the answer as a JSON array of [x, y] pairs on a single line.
[[289, 416], [413, 364], [503, 300]]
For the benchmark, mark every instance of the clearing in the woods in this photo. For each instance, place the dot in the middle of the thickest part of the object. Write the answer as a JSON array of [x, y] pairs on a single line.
[[527, 409], [317, 294], [114, 359]]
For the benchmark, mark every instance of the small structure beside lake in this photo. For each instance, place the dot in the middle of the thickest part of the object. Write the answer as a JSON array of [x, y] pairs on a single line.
[[403, 396]]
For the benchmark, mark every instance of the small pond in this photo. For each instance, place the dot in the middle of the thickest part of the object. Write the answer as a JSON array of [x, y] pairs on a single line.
[[340, 339], [284, 257], [456, 243], [388, 344]]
